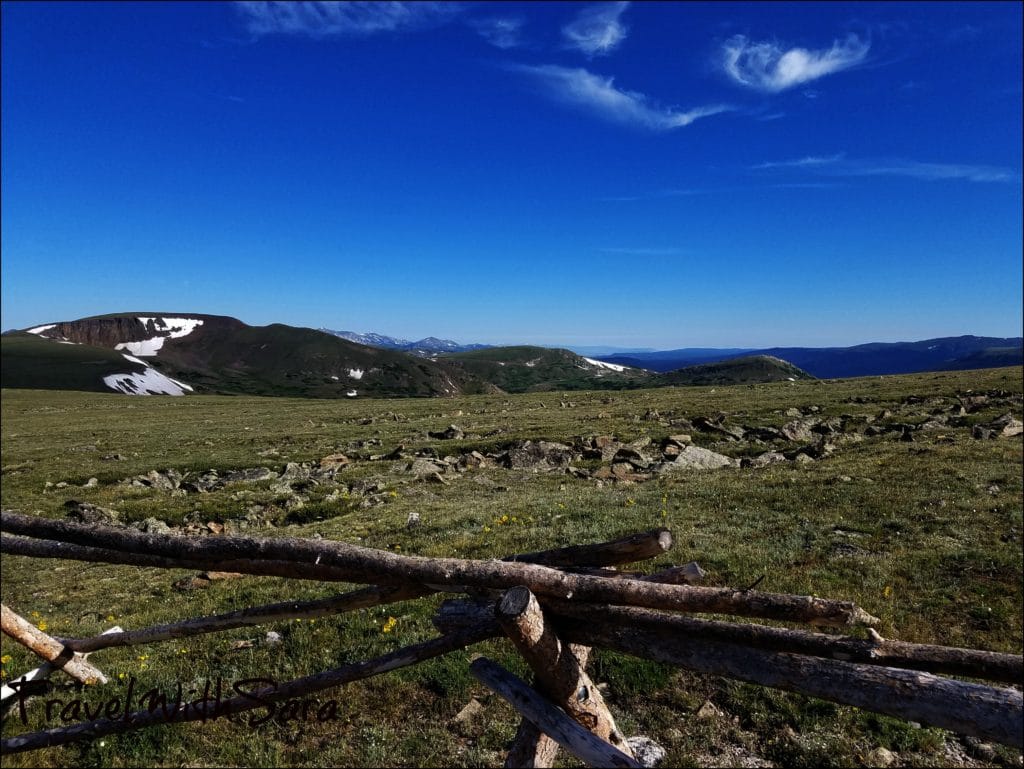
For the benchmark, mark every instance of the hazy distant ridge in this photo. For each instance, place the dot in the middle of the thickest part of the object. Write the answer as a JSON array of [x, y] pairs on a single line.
[[425, 347], [872, 359]]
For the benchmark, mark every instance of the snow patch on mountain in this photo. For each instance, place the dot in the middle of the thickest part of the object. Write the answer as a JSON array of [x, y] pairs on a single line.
[[176, 328], [602, 364], [41, 329], [146, 382], [355, 373]]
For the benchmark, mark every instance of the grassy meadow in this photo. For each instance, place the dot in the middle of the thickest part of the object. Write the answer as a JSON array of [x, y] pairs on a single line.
[[925, 534]]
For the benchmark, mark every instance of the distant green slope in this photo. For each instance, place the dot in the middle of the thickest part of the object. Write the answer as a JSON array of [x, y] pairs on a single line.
[[302, 362], [747, 370], [224, 355], [26, 361], [535, 369]]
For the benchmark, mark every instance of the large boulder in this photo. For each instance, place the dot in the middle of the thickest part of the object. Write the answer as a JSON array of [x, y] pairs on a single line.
[[695, 458]]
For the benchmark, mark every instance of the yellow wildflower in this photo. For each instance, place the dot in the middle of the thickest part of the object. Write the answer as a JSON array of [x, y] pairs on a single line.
[[42, 625], [5, 659], [389, 625]]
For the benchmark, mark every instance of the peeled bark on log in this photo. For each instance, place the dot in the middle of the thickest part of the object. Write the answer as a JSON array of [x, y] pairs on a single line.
[[42, 672], [548, 718], [256, 615], [363, 565], [636, 547], [949, 660], [986, 712], [213, 708], [49, 649], [558, 672]]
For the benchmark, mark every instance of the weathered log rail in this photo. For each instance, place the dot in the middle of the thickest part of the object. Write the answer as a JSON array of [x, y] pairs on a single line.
[[554, 606]]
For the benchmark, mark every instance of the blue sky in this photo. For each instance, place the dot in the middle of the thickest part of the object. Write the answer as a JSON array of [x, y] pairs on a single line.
[[635, 174]]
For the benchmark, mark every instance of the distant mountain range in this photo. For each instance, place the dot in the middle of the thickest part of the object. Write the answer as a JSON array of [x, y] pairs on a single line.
[[425, 348], [878, 358], [181, 353], [151, 353]]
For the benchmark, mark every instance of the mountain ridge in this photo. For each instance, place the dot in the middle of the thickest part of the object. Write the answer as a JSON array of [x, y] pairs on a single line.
[[868, 359], [180, 353], [425, 347]]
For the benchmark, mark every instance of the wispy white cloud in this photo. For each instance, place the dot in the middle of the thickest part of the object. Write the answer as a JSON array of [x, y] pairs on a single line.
[[597, 94], [840, 165], [324, 18], [501, 32], [767, 67], [596, 30], [810, 161]]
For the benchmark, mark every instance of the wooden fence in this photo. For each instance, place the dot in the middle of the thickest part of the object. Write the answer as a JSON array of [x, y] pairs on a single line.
[[553, 606]]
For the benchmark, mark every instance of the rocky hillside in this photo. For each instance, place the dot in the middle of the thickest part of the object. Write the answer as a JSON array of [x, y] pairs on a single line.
[[217, 354]]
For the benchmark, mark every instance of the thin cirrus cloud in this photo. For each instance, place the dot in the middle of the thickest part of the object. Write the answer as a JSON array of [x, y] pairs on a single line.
[[596, 30], [767, 67], [840, 165], [339, 19], [598, 95], [501, 32]]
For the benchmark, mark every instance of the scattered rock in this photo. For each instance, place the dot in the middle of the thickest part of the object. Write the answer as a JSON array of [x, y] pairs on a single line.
[[645, 750], [880, 757], [716, 425], [468, 713], [980, 750], [113, 458], [152, 526], [695, 458], [709, 711], [412, 521], [423, 466], [273, 638], [92, 483], [536, 455], [84, 512], [293, 471], [798, 429], [1006, 426], [763, 460]]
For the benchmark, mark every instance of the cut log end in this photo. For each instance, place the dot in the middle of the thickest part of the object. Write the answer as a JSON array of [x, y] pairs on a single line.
[[514, 603]]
